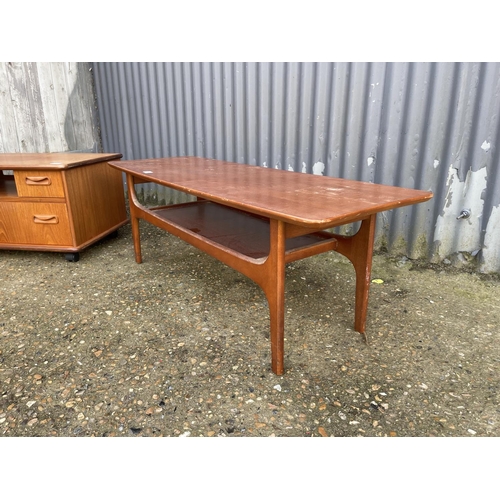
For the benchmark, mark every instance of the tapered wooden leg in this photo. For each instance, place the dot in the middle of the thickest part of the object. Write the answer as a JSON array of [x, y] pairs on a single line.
[[134, 220], [359, 250], [274, 288]]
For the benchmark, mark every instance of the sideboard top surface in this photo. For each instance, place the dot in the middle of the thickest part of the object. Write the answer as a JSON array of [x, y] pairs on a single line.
[[52, 161]]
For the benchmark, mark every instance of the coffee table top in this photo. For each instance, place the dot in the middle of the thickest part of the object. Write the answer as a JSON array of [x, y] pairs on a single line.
[[298, 198]]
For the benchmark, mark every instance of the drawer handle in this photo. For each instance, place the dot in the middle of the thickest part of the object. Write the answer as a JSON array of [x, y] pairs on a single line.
[[38, 181], [46, 219]]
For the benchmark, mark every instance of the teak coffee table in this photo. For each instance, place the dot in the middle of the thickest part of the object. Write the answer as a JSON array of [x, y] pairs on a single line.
[[257, 219]]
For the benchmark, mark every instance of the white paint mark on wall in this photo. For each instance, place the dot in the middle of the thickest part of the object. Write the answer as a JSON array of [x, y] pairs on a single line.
[[463, 235], [318, 168], [304, 168], [290, 168], [485, 146], [370, 160], [436, 163], [491, 255]]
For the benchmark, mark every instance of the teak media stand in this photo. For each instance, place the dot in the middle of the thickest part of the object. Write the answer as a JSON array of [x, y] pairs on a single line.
[[256, 220], [59, 202]]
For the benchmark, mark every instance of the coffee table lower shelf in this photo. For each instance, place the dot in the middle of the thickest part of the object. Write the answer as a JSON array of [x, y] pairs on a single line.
[[236, 231]]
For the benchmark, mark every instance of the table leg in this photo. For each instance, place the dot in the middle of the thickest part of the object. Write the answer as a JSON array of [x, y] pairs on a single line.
[[134, 220], [274, 288], [359, 250]]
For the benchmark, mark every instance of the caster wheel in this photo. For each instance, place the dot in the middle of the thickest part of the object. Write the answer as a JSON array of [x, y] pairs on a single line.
[[72, 257]]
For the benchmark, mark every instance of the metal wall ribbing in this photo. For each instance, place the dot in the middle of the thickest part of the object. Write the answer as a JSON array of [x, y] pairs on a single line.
[[433, 126]]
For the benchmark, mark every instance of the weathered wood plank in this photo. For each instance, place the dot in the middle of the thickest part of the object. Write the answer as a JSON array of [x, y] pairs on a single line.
[[55, 133], [80, 106], [8, 127], [47, 107]]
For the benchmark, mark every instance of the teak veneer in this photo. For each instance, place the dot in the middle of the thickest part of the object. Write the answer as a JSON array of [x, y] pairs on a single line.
[[258, 219], [59, 202]]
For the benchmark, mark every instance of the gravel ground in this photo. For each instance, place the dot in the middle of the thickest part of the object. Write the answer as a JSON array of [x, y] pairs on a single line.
[[179, 346]]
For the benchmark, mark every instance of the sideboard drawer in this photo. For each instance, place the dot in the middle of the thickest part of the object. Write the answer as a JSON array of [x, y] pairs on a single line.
[[35, 223], [39, 184]]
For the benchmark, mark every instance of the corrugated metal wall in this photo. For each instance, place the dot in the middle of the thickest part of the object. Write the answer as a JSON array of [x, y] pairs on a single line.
[[47, 107], [433, 126]]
